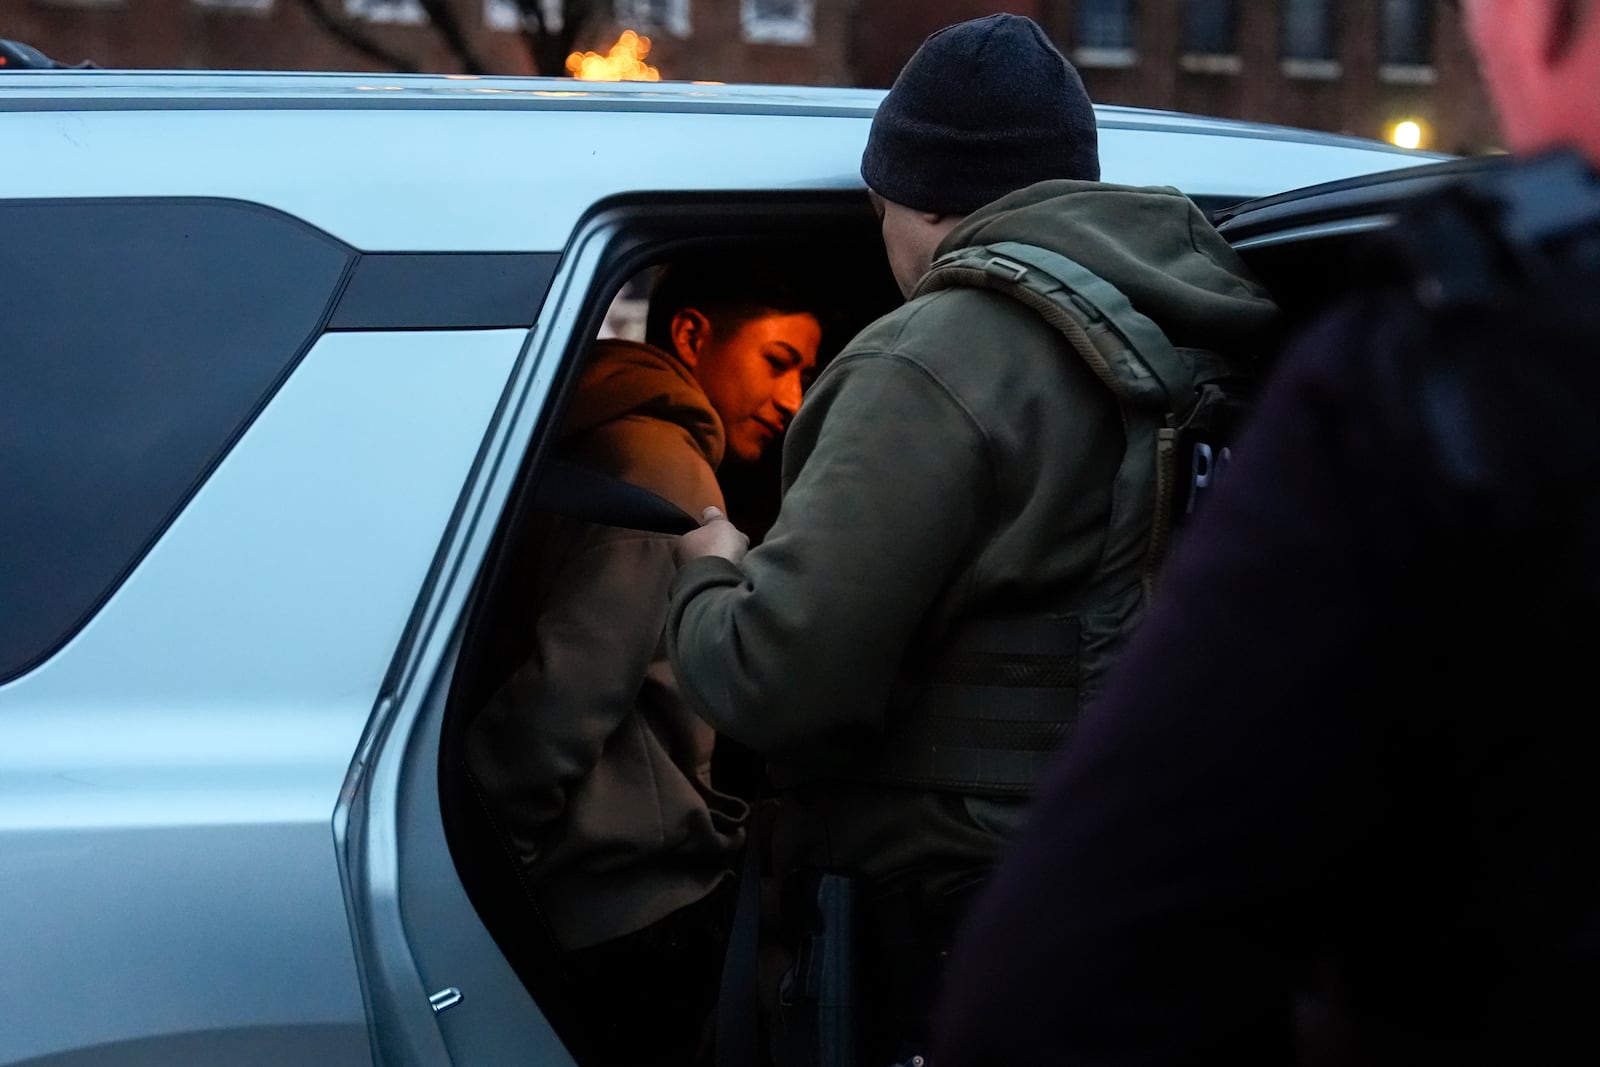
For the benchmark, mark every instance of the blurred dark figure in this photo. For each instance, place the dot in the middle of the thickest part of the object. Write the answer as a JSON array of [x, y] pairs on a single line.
[[1340, 801]]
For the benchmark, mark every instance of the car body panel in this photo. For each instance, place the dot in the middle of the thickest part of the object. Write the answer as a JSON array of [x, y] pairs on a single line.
[[381, 177], [167, 780]]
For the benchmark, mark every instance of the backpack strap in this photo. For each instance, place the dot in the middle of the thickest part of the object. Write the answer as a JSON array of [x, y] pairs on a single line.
[[1007, 691], [1157, 385], [1126, 350]]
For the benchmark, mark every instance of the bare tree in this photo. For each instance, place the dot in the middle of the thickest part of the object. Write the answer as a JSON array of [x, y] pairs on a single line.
[[443, 17], [549, 39], [349, 33], [550, 45]]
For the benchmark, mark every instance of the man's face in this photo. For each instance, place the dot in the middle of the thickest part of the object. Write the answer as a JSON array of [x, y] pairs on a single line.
[[910, 238], [1538, 59], [754, 375], [1506, 46]]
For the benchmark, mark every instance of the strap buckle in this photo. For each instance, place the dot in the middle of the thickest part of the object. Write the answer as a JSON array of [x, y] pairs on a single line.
[[1001, 267]]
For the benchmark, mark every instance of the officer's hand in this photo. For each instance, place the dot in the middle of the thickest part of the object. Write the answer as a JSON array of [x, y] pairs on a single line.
[[716, 537]]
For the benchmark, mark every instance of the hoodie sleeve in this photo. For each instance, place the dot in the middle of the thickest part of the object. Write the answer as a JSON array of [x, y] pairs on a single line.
[[544, 730], [596, 637], [795, 651]]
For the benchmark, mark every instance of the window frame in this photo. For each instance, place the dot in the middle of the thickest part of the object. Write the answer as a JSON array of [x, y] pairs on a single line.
[[393, 12], [1197, 57], [675, 21], [1418, 20], [236, 7], [759, 28], [1094, 49], [506, 15], [1289, 31]]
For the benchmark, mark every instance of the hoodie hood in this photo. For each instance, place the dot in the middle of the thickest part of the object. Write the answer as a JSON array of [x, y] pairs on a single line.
[[1154, 244], [630, 379]]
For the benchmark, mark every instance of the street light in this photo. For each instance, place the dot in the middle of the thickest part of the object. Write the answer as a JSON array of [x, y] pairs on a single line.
[[1407, 134]]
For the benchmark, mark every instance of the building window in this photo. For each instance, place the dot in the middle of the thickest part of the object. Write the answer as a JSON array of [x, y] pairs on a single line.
[[1310, 39], [1103, 33], [1408, 32], [507, 15], [408, 11], [254, 6], [1308, 30], [1210, 43], [1407, 42], [1208, 27], [777, 21], [669, 15]]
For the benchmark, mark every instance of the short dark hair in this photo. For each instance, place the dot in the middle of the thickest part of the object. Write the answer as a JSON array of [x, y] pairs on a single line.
[[729, 289]]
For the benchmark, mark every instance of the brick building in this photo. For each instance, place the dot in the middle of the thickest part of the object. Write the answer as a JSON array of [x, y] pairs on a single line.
[[1357, 66], [796, 42], [1353, 66]]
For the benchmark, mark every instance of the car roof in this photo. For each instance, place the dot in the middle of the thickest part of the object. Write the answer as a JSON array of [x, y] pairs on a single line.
[[121, 89], [393, 153], [1367, 196]]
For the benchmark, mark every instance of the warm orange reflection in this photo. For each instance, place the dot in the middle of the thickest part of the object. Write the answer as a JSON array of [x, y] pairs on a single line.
[[624, 62]]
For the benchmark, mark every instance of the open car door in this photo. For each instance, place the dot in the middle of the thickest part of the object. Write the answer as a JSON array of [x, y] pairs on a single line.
[[1305, 245]]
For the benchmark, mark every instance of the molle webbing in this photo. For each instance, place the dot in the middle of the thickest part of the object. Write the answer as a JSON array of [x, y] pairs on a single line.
[[1004, 694], [1131, 356], [998, 702]]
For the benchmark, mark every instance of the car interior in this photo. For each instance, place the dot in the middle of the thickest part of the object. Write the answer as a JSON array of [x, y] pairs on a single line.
[[1302, 246], [836, 242]]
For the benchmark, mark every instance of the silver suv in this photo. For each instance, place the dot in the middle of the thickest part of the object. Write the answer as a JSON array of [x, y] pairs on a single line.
[[280, 355]]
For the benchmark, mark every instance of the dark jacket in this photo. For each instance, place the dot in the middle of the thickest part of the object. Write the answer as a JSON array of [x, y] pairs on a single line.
[[599, 770], [1340, 796], [950, 472]]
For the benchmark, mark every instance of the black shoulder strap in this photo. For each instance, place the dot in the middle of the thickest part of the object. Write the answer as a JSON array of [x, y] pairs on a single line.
[[582, 493]]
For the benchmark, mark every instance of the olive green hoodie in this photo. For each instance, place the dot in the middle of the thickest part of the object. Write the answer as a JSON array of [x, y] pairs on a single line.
[[596, 767], [950, 472]]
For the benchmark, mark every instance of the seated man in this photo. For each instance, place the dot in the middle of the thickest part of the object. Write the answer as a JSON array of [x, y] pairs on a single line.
[[596, 768]]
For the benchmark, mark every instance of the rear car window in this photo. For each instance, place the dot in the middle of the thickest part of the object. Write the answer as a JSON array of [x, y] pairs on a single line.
[[140, 337]]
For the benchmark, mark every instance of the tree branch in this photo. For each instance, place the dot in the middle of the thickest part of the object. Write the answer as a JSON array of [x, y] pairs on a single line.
[[549, 47], [352, 36], [444, 20]]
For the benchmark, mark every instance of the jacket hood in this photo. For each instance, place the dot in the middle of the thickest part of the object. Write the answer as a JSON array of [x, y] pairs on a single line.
[[622, 379], [1154, 244]]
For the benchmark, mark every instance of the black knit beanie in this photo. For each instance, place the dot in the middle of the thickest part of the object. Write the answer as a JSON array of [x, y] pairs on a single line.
[[983, 109]]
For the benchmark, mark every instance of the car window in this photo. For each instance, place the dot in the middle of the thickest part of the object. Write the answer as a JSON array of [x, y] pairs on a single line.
[[140, 338]]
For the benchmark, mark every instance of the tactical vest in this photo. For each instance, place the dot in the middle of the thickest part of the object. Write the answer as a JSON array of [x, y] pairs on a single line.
[[1005, 692]]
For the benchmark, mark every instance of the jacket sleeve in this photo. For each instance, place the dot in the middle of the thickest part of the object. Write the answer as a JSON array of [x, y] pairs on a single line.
[[796, 650], [597, 633], [595, 637]]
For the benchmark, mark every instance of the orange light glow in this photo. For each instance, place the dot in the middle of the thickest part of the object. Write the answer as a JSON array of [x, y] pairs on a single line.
[[624, 62]]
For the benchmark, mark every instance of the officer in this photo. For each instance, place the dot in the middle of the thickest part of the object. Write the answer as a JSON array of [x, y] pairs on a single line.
[[1339, 803], [967, 516]]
